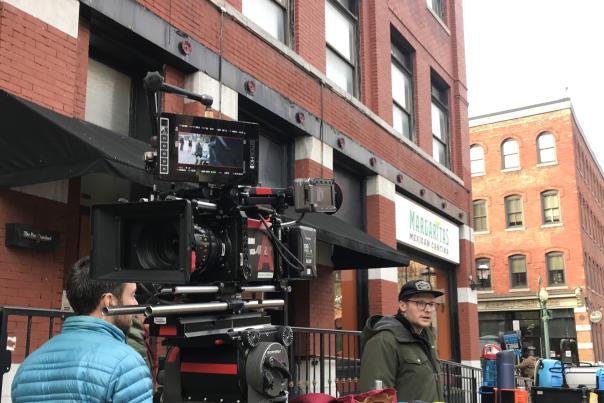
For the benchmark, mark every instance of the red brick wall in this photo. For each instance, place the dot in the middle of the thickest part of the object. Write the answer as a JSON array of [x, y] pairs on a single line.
[[30, 278], [433, 50], [38, 62]]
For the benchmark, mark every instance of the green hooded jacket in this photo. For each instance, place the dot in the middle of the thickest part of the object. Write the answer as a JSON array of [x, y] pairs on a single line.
[[392, 354]]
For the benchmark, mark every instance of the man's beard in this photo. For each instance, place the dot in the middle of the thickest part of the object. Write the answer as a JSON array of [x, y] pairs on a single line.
[[122, 322]]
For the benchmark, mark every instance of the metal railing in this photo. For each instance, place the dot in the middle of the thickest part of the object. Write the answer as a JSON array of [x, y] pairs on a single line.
[[329, 361], [22, 323], [321, 360]]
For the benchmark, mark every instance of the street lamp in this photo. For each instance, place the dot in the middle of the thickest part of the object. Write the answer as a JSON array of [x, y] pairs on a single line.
[[543, 296], [482, 271]]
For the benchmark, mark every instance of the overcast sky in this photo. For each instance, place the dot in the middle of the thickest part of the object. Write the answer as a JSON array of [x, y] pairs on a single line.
[[523, 52]]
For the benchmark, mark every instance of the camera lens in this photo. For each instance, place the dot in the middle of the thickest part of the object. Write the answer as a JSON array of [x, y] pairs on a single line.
[[210, 250], [157, 246]]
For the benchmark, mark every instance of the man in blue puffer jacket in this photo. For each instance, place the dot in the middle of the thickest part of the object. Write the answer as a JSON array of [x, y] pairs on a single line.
[[90, 360]]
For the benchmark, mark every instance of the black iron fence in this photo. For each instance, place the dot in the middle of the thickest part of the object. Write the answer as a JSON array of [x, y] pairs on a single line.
[[32, 325], [328, 361], [321, 360]]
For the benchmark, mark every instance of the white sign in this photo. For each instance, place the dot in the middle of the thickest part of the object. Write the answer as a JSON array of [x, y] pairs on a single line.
[[422, 229], [515, 325]]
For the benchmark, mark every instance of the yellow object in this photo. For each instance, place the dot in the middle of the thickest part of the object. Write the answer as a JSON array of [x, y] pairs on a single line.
[[593, 398]]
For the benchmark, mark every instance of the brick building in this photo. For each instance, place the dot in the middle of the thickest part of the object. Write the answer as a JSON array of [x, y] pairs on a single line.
[[383, 110], [537, 191]]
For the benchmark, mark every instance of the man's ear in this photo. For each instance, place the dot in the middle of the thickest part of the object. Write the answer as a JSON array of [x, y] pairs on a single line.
[[402, 306], [106, 300]]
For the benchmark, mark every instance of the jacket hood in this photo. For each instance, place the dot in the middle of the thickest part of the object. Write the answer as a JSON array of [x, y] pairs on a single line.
[[90, 323], [379, 323]]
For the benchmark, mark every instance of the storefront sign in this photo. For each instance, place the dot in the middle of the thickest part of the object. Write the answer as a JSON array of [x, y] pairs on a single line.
[[595, 316], [420, 228], [27, 236], [525, 304]]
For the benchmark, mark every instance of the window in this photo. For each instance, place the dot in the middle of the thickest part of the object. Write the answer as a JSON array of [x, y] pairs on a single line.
[[546, 146], [270, 15], [476, 160], [437, 7], [513, 211], [402, 92], [341, 37], [483, 272], [555, 268], [108, 97], [550, 205], [510, 153], [440, 122], [517, 264], [480, 215]]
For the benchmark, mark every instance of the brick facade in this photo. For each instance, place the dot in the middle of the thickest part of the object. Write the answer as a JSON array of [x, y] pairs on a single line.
[[49, 67], [571, 175]]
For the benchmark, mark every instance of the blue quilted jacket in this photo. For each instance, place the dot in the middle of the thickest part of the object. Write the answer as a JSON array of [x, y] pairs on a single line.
[[88, 362]]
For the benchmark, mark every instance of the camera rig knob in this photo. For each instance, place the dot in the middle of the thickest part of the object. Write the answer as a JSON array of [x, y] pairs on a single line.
[[250, 338]]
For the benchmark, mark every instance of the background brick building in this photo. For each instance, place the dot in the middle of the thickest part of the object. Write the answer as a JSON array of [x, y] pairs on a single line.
[[383, 110], [537, 212]]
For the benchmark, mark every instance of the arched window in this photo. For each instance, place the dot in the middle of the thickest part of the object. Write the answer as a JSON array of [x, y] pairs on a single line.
[[483, 272], [546, 146], [510, 154], [550, 207], [480, 215], [517, 264], [476, 160], [513, 211], [555, 268]]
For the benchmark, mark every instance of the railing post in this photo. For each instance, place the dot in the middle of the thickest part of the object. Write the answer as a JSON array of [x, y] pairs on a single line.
[[322, 362], [5, 355]]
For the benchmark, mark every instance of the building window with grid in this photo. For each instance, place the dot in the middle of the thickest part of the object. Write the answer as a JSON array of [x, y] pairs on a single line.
[[477, 160], [402, 91], [480, 215], [510, 154], [270, 15], [546, 146], [517, 264], [341, 25], [440, 122], [513, 211], [550, 205], [483, 272], [437, 8], [555, 268]]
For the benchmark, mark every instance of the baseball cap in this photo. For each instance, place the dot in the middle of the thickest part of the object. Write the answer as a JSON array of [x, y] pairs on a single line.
[[414, 287]]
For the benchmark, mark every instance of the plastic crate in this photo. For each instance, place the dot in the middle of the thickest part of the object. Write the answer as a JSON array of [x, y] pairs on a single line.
[[512, 396]]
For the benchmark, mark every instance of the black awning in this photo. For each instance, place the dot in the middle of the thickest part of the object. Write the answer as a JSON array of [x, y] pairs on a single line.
[[38, 145], [353, 248]]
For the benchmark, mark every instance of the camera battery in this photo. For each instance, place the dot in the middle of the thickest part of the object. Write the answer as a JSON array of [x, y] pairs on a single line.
[[302, 242]]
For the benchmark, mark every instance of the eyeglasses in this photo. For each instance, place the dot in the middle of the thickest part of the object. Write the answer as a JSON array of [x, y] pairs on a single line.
[[422, 305]]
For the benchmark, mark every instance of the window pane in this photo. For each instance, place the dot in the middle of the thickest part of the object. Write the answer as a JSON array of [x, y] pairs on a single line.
[[439, 152], [546, 141], [511, 161], [517, 270], [547, 155], [476, 159], [555, 266], [400, 121], [400, 87], [483, 271], [268, 15], [108, 98], [339, 31], [510, 147], [340, 72]]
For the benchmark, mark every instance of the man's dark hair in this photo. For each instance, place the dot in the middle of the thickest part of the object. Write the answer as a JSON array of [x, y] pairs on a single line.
[[85, 293]]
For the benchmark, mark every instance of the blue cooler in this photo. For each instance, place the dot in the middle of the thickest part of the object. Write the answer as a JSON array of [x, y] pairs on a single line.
[[600, 379], [550, 373]]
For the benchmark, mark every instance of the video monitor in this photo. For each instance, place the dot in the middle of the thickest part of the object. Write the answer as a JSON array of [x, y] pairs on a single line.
[[196, 149]]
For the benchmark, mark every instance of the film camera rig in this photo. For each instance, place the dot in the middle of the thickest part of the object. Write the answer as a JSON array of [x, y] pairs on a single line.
[[211, 250]]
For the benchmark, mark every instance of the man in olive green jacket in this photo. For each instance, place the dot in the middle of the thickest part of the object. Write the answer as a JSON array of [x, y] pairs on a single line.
[[399, 350]]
